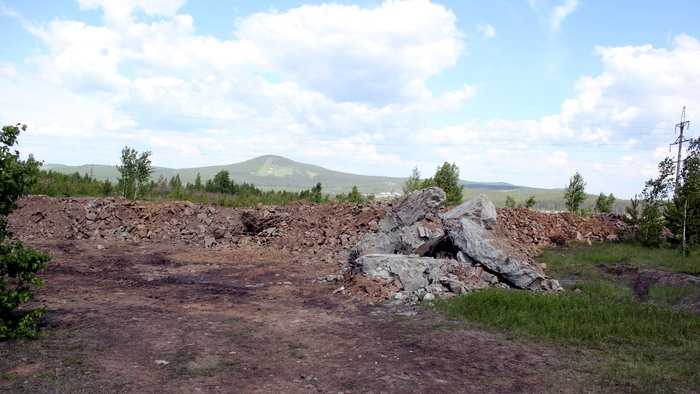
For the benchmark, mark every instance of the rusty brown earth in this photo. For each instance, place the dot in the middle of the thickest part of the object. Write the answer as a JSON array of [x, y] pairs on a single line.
[[248, 315]]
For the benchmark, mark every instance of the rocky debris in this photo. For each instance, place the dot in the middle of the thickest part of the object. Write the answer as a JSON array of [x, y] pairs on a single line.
[[484, 248], [406, 226], [424, 252], [479, 208], [529, 231], [324, 232], [417, 276], [306, 233]]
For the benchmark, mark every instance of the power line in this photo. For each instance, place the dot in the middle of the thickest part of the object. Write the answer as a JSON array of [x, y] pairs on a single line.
[[682, 125]]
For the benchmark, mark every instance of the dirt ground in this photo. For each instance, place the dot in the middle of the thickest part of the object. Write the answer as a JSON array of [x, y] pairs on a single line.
[[164, 316]]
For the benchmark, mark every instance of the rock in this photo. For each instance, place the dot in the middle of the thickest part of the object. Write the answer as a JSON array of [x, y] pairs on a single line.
[[484, 248], [91, 216], [100, 247], [428, 297], [412, 208], [209, 242], [417, 275], [219, 232], [399, 230], [479, 209], [409, 270]]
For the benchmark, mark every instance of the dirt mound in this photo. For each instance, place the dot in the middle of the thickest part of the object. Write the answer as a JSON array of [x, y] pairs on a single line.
[[530, 231], [325, 232], [317, 231]]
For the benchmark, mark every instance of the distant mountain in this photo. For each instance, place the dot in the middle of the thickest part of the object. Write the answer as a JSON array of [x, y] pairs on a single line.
[[276, 172]]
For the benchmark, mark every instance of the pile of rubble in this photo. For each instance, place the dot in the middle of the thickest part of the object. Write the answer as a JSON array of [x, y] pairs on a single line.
[[423, 253], [410, 248], [530, 231], [317, 230]]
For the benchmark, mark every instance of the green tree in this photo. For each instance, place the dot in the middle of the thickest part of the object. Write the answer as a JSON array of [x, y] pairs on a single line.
[[135, 171], [176, 186], [683, 211], [18, 264], [510, 202], [317, 193], [221, 182], [575, 193], [447, 178], [198, 183], [413, 182], [605, 204], [354, 196], [530, 202]]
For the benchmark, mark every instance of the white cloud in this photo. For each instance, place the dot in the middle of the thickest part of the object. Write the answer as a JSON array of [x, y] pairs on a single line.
[[120, 11], [375, 55], [341, 86], [630, 107], [486, 30], [561, 12]]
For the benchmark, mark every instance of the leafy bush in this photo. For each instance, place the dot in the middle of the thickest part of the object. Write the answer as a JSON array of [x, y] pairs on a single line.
[[446, 177], [510, 202], [18, 263], [604, 204], [135, 173], [575, 193], [530, 202]]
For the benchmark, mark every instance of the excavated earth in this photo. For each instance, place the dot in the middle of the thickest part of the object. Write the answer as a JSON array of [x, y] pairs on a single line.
[[178, 297]]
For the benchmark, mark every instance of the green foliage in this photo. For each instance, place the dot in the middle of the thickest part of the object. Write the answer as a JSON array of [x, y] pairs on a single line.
[[585, 261], [599, 314], [135, 173], [56, 184], [355, 196], [575, 193], [604, 204], [530, 202], [413, 182], [647, 217], [638, 347], [640, 364], [198, 183], [510, 202], [685, 205], [447, 178], [18, 264]]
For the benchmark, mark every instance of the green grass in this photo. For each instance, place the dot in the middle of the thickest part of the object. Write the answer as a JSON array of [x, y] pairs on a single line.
[[643, 348], [599, 314], [585, 261], [672, 296]]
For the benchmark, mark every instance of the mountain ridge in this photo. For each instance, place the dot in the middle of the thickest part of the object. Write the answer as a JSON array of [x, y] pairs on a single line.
[[275, 172]]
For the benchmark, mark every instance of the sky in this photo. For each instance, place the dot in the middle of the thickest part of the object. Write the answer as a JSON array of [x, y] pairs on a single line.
[[522, 91]]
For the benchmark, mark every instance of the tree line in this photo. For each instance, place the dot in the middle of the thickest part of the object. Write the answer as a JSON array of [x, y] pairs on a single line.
[[135, 171]]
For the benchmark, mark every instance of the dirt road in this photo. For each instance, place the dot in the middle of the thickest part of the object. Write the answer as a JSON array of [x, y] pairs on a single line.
[[137, 303], [168, 318]]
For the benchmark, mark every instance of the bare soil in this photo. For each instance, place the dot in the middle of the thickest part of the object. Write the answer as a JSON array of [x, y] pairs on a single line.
[[167, 316]]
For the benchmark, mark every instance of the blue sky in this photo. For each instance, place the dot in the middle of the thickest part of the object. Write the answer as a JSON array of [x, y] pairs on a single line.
[[519, 91]]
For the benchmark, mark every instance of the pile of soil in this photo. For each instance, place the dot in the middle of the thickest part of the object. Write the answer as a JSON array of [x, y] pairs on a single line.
[[325, 231], [530, 231], [322, 231]]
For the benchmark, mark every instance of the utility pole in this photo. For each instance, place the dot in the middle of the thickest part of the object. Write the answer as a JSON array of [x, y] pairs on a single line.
[[682, 125]]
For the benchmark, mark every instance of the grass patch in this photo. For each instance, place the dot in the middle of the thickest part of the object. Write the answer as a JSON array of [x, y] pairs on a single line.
[[643, 348], [601, 313], [672, 296], [584, 261]]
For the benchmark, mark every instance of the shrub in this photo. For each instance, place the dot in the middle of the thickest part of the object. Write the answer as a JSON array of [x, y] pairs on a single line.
[[18, 263], [575, 193]]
